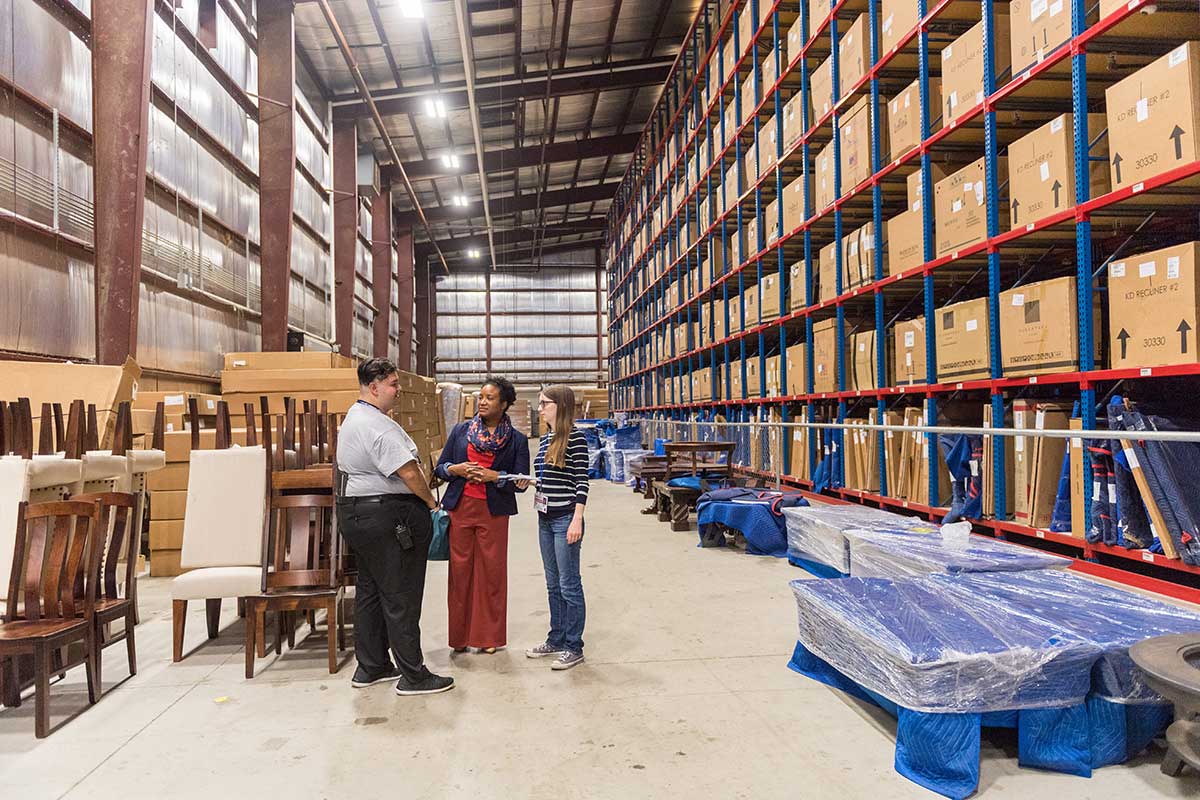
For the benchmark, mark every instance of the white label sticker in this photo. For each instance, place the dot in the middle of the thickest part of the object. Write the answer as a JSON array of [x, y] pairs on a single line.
[[979, 193], [1112, 493], [1018, 300], [974, 469], [972, 324], [1056, 125], [907, 99], [1036, 9], [1040, 420], [968, 187], [1117, 270], [797, 435], [1076, 443], [170, 426], [854, 248], [887, 23], [1147, 556], [1056, 8], [1178, 56], [1132, 458], [979, 97], [946, 53], [238, 362], [1096, 491], [907, 360], [910, 338], [862, 347], [1173, 267], [953, 95], [1147, 269], [212, 404], [173, 400], [1019, 444], [1044, 171], [956, 206], [895, 106], [1143, 110]]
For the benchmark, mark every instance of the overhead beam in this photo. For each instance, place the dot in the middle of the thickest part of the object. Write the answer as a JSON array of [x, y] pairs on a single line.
[[511, 204], [522, 235], [573, 80], [503, 160]]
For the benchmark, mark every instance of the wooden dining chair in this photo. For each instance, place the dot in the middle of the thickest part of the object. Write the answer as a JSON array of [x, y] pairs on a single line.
[[706, 461], [116, 591], [52, 599]]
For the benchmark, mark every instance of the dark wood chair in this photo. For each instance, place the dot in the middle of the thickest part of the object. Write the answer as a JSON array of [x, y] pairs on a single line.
[[707, 461], [52, 599], [647, 471], [116, 592]]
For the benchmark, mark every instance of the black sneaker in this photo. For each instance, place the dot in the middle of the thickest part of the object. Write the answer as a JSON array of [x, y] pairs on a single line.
[[363, 679], [430, 684], [566, 659]]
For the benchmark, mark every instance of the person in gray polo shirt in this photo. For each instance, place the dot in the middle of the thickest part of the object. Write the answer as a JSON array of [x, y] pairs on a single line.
[[383, 514]]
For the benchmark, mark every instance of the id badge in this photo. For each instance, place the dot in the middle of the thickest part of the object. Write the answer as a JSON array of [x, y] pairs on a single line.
[[540, 503]]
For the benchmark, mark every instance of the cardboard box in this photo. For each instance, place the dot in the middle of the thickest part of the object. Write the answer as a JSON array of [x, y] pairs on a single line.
[[771, 222], [904, 116], [962, 67], [171, 478], [1038, 331], [897, 19], [291, 360], [797, 298], [165, 564], [173, 402], [166, 534], [960, 207], [771, 372], [962, 341], [795, 42], [914, 184], [855, 148], [1077, 456], [905, 242], [909, 351], [859, 257], [793, 204], [827, 273], [862, 356], [818, 10], [854, 55], [1042, 169], [1152, 308], [750, 307], [56, 382], [793, 121], [795, 358], [290, 380], [825, 355], [168, 504], [1039, 27], [339, 402], [1152, 117], [820, 82], [824, 194], [769, 289]]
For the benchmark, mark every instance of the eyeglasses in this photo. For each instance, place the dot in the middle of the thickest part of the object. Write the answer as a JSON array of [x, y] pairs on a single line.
[[544, 403]]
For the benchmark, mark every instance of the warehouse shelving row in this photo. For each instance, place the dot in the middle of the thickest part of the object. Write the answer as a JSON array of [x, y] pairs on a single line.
[[692, 148]]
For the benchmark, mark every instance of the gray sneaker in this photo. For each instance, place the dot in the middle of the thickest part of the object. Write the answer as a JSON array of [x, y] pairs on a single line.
[[543, 650], [567, 659]]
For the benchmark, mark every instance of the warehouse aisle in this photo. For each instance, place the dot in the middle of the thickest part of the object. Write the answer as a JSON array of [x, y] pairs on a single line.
[[685, 693]]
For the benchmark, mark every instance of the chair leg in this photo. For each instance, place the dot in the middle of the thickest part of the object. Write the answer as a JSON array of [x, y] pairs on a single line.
[[250, 635], [41, 673], [279, 620], [212, 608], [341, 624], [312, 621], [260, 625], [95, 674], [130, 645], [10, 692], [331, 615], [293, 620], [242, 607], [178, 618]]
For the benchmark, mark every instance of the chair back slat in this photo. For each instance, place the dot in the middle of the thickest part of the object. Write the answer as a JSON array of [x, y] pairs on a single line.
[[251, 425], [122, 441], [46, 431], [22, 428], [76, 430], [91, 438], [60, 429], [158, 438], [54, 561], [224, 434], [118, 546], [304, 543]]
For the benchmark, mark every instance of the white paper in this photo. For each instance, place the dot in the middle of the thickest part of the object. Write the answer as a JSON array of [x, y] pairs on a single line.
[[907, 99], [968, 187], [972, 324], [1131, 457], [1112, 493], [908, 359], [887, 23], [1036, 9], [1143, 110], [1056, 125], [1116, 270], [173, 400], [1019, 444], [979, 193], [1044, 171], [1040, 420], [1056, 8], [1147, 269], [1173, 267], [1018, 300], [956, 206], [910, 338], [1178, 56], [953, 95]]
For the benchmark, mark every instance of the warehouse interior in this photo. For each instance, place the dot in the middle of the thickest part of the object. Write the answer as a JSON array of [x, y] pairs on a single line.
[[878, 319]]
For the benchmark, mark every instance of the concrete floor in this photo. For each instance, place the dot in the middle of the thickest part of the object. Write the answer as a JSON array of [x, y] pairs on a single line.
[[685, 693]]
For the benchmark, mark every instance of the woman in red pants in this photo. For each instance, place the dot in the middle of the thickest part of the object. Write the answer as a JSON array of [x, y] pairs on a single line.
[[480, 503]]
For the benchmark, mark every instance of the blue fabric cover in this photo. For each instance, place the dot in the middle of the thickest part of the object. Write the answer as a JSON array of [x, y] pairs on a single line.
[[875, 554], [686, 482], [762, 527], [815, 568]]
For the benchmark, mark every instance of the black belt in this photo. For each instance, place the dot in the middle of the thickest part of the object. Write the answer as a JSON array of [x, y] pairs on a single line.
[[378, 499]]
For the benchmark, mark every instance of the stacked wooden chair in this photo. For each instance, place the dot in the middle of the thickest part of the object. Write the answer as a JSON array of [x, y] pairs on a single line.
[[706, 462]]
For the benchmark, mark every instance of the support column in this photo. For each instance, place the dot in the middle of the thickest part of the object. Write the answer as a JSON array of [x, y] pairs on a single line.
[[345, 230], [277, 163], [381, 269], [423, 327], [121, 47], [405, 287]]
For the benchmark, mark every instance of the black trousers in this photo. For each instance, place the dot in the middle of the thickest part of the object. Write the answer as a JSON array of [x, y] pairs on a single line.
[[391, 581]]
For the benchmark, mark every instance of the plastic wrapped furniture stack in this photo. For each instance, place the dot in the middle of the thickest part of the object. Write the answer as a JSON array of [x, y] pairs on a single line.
[[1042, 651], [833, 541]]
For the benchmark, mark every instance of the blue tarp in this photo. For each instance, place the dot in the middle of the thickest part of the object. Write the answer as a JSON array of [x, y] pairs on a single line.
[[763, 528]]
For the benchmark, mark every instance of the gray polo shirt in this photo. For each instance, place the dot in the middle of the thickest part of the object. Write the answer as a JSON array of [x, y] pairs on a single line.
[[371, 446]]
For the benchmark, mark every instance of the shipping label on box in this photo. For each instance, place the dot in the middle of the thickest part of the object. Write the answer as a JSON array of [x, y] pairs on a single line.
[[1152, 308], [962, 67], [1039, 27], [904, 116], [1152, 117], [909, 349], [1042, 169], [1038, 332], [962, 341]]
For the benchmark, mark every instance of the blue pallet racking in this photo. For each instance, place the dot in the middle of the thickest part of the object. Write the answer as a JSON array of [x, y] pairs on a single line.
[[676, 211]]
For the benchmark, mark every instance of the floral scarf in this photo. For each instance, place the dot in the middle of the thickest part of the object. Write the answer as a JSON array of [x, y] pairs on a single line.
[[485, 442]]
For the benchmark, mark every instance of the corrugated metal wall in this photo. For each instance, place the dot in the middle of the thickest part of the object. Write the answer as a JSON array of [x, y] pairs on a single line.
[[200, 290]]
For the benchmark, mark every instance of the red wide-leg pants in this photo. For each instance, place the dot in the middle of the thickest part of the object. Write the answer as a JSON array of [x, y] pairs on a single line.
[[478, 590]]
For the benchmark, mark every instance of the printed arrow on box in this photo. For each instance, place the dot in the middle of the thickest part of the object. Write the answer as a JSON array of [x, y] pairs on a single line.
[[1016, 205], [1183, 329], [1177, 135], [1116, 162], [1055, 188], [1124, 337]]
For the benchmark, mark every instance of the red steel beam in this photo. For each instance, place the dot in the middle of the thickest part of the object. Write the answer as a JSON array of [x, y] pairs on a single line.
[[404, 295], [345, 230], [381, 269], [121, 48], [422, 326], [277, 163]]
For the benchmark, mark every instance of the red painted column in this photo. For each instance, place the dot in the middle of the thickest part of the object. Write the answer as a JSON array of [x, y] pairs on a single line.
[[381, 269], [405, 293], [121, 48], [277, 163], [345, 230], [423, 326]]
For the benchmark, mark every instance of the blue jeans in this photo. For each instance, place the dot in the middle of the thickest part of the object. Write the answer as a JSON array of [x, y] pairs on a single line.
[[563, 585]]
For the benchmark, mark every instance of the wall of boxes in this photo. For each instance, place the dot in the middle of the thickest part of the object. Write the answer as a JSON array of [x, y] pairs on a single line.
[[907, 211]]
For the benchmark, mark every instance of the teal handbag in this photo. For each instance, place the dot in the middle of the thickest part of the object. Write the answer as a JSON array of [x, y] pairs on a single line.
[[439, 546]]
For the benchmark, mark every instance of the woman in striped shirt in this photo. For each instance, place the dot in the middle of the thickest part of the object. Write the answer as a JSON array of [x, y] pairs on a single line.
[[561, 468]]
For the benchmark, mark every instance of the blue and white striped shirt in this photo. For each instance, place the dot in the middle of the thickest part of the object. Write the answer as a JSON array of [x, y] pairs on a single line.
[[567, 485]]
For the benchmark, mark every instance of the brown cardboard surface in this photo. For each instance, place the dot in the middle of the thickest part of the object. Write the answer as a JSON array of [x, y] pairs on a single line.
[[166, 534], [1038, 28], [56, 382], [173, 402], [750, 310], [960, 207], [165, 564], [1153, 302], [1077, 485], [168, 504], [1038, 330], [827, 277], [1153, 115], [769, 292], [898, 17], [821, 90], [796, 295], [302, 360], [290, 380], [1042, 169], [962, 67], [904, 115], [1048, 460], [818, 10], [962, 341], [823, 188], [854, 54], [862, 356], [339, 402], [795, 42], [936, 173], [793, 204], [171, 478], [825, 356], [793, 122], [909, 351], [795, 357], [855, 147], [905, 242]]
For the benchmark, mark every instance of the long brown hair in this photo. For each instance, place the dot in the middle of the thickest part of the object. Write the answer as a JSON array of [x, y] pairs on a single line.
[[564, 419]]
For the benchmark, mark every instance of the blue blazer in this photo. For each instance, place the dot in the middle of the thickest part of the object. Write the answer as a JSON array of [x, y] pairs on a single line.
[[513, 458]]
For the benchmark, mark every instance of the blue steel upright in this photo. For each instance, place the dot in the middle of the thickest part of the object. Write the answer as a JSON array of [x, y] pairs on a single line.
[[992, 180]]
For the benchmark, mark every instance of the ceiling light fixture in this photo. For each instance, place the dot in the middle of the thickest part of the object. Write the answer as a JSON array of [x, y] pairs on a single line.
[[450, 161], [460, 200], [411, 9], [473, 253], [435, 107]]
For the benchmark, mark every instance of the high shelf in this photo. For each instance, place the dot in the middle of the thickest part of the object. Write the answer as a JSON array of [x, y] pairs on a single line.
[[747, 238]]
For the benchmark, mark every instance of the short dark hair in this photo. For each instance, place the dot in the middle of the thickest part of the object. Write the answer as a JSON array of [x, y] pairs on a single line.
[[508, 394], [375, 369]]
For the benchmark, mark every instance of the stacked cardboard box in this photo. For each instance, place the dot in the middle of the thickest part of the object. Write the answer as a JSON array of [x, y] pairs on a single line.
[[1038, 460], [1153, 307], [591, 403], [962, 341], [1042, 168], [53, 382], [909, 352]]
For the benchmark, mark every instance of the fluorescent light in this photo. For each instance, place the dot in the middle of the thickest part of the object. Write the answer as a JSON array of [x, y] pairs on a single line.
[[411, 9], [435, 107], [460, 200], [450, 161], [473, 253]]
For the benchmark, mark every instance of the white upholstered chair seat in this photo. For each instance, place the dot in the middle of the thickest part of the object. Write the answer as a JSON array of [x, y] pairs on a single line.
[[143, 461], [99, 465], [54, 470], [201, 584]]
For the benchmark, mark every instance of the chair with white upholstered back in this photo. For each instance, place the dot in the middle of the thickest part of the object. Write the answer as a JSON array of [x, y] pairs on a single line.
[[222, 533]]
